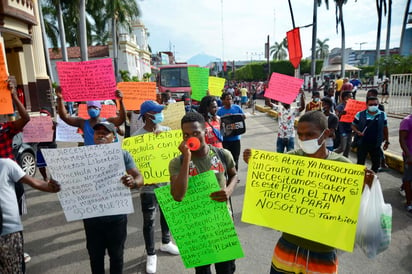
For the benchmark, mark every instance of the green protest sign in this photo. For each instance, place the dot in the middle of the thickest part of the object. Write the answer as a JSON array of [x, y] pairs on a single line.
[[202, 228], [199, 81]]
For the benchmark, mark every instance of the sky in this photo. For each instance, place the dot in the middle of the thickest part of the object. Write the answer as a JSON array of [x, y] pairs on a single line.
[[191, 27]]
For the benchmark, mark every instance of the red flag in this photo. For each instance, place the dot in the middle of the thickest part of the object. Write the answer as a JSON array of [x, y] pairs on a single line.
[[294, 47], [224, 66]]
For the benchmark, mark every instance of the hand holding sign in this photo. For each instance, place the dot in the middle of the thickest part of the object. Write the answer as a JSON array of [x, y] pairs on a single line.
[[352, 107]]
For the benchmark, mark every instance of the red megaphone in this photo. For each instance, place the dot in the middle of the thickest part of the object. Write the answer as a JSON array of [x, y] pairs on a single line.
[[193, 143]]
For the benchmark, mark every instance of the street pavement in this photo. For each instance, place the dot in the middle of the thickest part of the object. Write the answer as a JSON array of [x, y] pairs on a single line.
[[57, 246]]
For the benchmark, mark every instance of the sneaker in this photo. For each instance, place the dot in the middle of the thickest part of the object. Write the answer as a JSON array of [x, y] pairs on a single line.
[[27, 257], [151, 264], [170, 248], [402, 192]]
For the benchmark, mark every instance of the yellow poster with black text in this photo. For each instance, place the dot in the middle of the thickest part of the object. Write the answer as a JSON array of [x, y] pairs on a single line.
[[152, 153], [311, 198]]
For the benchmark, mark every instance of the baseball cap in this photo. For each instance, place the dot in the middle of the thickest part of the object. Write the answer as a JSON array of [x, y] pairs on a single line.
[[94, 104], [107, 125], [147, 106]]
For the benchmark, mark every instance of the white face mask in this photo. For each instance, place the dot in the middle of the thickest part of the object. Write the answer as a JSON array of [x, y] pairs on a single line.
[[311, 146]]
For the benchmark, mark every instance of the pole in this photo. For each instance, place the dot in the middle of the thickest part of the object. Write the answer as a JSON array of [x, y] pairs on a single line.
[[83, 34], [314, 30]]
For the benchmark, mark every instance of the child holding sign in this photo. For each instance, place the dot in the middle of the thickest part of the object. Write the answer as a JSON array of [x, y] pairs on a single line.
[[295, 254]]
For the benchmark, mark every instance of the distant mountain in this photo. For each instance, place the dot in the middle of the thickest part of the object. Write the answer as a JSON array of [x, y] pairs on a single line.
[[201, 59]]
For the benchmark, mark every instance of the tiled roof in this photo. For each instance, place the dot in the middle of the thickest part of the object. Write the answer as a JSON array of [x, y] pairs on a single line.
[[74, 52]]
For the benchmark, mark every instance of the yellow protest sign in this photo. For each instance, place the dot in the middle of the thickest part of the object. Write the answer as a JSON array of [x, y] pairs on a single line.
[[173, 114], [216, 85], [308, 197], [153, 152]]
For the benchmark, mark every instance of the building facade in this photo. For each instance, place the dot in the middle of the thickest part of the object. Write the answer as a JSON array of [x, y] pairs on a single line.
[[21, 40]]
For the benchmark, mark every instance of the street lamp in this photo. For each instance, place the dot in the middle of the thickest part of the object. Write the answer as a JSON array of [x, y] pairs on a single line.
[[360, 44]]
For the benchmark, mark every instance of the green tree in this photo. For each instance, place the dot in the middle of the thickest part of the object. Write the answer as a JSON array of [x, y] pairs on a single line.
[[322, 48], [278, 50]]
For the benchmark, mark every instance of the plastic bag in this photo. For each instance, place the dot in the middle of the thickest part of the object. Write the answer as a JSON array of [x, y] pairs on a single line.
[[373, 232]]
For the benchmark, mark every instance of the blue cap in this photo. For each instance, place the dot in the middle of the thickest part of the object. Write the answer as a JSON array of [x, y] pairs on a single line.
[[147, 106]]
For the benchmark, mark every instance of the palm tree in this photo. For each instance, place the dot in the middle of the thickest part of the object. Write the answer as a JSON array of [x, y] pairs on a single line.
[[339, 21], [405, 20], [380, 6], [322, 49], [122, 13], [388, 27], [278, 50]]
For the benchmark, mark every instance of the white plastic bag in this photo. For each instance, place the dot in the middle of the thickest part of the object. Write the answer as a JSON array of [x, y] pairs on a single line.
[[373, 232]]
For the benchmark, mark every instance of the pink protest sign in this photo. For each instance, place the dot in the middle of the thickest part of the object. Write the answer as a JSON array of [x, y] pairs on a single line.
[[107, 111], [352, 107], [87, 81], [38, 129], [283, 88]]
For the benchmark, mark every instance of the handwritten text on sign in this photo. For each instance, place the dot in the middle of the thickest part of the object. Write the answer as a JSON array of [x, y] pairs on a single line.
[[107, 111], [153, 152], [199, 81], [284, 191], [135, 93], [283, 88], [202, 228], [173, 114], [38, 129], [67, 133], [87, 80], [6, 105], [90, 180], [216, 85], [352, 107]]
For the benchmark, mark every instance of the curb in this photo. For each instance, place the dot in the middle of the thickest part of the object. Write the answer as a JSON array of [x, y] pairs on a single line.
[[395, 162]]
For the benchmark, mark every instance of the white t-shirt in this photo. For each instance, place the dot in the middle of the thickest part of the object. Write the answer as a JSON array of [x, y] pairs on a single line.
[[10, 173]]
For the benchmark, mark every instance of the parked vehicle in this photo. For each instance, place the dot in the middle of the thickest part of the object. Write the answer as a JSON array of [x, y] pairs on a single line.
[[175, 79], [25, 154]]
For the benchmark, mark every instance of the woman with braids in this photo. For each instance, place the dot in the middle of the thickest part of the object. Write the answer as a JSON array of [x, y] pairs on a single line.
[[208, 109]]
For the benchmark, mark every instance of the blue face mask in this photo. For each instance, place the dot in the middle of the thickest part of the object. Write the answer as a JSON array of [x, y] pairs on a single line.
[[93, 112], [373, 108], [158, 118]]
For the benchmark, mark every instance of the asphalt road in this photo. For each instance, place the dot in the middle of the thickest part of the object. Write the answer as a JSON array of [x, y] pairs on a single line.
[[57, 246]]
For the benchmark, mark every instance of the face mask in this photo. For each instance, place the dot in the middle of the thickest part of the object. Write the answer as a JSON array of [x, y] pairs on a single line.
[[373, 108], [93, 112], [158, 118], [310, 146], [316, 100]]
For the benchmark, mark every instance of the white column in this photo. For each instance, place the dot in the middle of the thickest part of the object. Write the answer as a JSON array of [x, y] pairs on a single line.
[[37, 44]]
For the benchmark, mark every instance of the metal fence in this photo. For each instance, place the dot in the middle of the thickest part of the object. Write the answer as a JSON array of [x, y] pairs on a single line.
[[400, 92]]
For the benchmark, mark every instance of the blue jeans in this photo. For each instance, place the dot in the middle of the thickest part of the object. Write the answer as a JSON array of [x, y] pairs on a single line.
[[285, 143], [108, 232], [149, 205]]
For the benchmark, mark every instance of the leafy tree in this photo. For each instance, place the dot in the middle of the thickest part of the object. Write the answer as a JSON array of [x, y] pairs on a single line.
[[339, 21], [322, 48], [278, 50]]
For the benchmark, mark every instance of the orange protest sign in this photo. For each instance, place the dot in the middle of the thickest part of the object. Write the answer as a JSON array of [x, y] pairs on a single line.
[[352, 107], [6, 104], [107, 111], [135, 93]]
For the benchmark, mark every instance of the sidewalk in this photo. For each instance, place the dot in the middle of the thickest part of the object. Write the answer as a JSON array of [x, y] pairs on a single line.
[[394, 152]]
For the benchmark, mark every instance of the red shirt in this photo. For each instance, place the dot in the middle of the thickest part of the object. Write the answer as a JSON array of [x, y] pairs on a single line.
[[7, 132], [210, 137]]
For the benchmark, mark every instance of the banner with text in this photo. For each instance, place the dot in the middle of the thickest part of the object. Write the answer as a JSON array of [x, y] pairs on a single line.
[[199, 81], [135, 93], [153, 152], [283, 88], [202, 228], [352, 107], [90, 180], [216, 85], [88, 80], [284, 191], [38, 129], [173, 114], [107, 111], [6, 104], [67, 133]]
